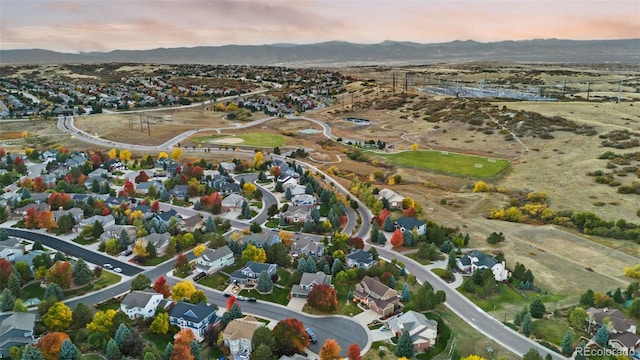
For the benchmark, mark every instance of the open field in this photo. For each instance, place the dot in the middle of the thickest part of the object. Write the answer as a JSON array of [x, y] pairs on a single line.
[[449, 163], [245, 138]]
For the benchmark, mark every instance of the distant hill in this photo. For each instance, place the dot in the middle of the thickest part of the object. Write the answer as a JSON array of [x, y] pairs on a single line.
[[336, 53]]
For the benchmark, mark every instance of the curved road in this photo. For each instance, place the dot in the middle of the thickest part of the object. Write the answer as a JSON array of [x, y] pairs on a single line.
[[460, 305]]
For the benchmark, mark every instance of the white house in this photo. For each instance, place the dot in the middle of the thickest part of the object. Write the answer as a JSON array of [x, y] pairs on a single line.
[[141, 304], [476, 260], [303, 200], [213, 259], [194, 317], [239, 333], [11, 249]]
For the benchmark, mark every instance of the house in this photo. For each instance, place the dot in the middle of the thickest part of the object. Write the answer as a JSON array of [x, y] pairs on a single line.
[[180, 191], [296, 214], [233, 202], [406, 223], [213, 259], [377, 296], [303, 200], [294, 188], [393, 198], [619, 321], [159, 241], [11, 249], [261, 240], [238, 335], [250, 272], [475, 260], [39, 197], [307, 246], [625, 343], [143, 188], [229, 188], [194, 317], [307, 281], [191, 224], [22, 211], [77, 213], [114, 231], [360, 258], [228, 167], [423, 331], [16, 330], [28, 257], [141, 304], [106, 221]]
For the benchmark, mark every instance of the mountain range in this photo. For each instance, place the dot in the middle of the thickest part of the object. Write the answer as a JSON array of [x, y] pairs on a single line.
[[337, 53]]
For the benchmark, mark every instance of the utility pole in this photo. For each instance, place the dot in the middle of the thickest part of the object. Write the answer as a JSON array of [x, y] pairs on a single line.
[[141, 128], [564, 88], [619, 90], [588, 90]]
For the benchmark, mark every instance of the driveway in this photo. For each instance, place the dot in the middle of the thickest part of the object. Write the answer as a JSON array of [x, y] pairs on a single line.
[[296, 304], [366, 317]]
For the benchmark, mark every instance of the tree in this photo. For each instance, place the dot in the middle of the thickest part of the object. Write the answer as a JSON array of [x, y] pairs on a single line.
[[265, 284], [183, 290], [532, 354], [405, 345], [199, 249], [473, 357], [537, 309], [567, 344], [406, 293], [527, 324], [262, 352], [14, 285], [113, 351], [53, 290], [60, 273], [82, 274], [198, 297], [19, 306], [140, 248], [288, 332], [7, 300], [233, 313], [68, 351], [263, 336], [323, 297], [161, 287], [577, 317], [587, 299], [81, 316], [182, 264], [634, 309], [495, 238], [388, 224], [51, 344], [196, 350], [167, 351], [140, 282], [121, 335], [160, 324], [278, 254], [6, 269], [59, 317], [353, 353], [602, 335], [330, 350], [397, 239], [103, 322], [31, 352], [254, 253]]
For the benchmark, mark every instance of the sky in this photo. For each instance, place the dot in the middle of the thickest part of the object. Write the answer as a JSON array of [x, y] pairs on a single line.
[[105, 25]]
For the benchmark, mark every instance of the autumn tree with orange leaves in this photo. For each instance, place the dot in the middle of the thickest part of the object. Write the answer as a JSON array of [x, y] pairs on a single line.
[[60, 273], [60, 200], [161, 287], [353, 353], [182, 345], [46, 220], [397, 239], [330, 350], [289, 342], [51, 343], [323, 297]]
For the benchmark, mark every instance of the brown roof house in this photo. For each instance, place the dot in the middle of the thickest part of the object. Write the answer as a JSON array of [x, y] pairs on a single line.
[[622, 331], [423, 331], [377, 296], [239, 333]]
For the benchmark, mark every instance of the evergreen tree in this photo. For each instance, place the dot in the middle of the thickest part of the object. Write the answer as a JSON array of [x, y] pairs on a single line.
[[567, 343], [527, 324], [14, 285], [122, 334], [210, 225], [54, 290], [405, 346], [388, 225], [408, 238], [37, 245], [4, 235], [278, 187], [82, 274], [287, 194], [381, 238], [30, 352], [265, 284], [168, 350], [406, 293], [452, 262], [374, 232], [196, 350], [7, 300], [336, 267], [447, 246], [123, 239], [113, 352], [528, 276], [68, 351], [579, 354], [602, 336], [517, 318], [537, 309], [262, 352], [617, 296]]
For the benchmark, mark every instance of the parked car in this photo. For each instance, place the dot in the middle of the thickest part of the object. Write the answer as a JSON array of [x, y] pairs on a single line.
[[226, 294], [312, 336], [252, 300], [199, 276], [118, 270], [107, 266], [241, 298]]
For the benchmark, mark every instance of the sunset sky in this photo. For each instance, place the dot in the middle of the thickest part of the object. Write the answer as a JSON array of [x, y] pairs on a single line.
[[104, 25]]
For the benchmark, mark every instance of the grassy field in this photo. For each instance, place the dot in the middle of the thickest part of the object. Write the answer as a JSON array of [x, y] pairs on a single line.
[[553, 331], [505, 296], [449, 163], [248, 139]]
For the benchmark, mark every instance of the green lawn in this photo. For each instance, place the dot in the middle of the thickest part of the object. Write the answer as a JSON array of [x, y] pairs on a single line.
[[278, 295], [415, 257], [552, 331], [160, 341], [157, 260], [283, 276], [32, 290], [451, 163], [250, 139], [504, 295], [92, 357], [84, 241], [216, 281]]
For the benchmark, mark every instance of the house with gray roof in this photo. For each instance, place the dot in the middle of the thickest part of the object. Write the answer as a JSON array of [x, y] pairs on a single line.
[[16, 330], [213, 259], [250, 272], [261, 240], [77, 213], [360, 258], [423, 331], [407, 223], [308, 281], [475, 260], [233, 202], [143, 188], [307, 246], [194, 317], [191, 224], [159, 241], [393, 198], [28, 257], [11, 249], [141, 304]]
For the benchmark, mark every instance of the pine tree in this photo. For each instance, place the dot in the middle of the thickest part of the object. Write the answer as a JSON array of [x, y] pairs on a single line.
[[210, 225], [68, 351], [381, 238], [388, 225], [374, 232], [406, 293], [14, 285], [567, 343], [30, 352], [602, 336], [527, 324], [54, 290], [337, 266], [7, 300], [196, 350], [113, 352], [265, 284], [82, 274], [452, 262], [166, 355], [405, 346], [122, 334]]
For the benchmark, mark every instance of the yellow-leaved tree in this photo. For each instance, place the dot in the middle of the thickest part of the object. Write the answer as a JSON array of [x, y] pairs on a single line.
[[176, 153], [198, 250], [113, 153], [481, 186], [248, 188], [163, 155], [258, 159], [473, 357], [125, 155], [254, 253], [414, 146], [182, 290]]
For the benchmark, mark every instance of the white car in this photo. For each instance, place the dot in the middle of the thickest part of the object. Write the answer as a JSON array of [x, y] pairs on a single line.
[[241, 298], [107, 266], [118, 270]]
